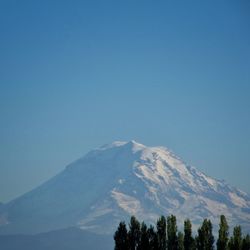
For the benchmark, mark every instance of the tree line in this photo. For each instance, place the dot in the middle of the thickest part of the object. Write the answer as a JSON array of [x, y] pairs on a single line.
[[165, 236]]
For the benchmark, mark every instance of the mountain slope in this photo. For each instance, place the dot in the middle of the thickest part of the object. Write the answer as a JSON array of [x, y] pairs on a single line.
[[120, 179]]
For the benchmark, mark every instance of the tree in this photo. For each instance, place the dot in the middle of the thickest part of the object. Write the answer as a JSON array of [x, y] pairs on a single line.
[[205, 238], [230, 244], [246, 242], [140, 237], [180, 241], [121, 237], [171, 232], [134, 233], [188, 238], [223, 234], [144, 241], [235, 242], [161, 233], [153, 238]]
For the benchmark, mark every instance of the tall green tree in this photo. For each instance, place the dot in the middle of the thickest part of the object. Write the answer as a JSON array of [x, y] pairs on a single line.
[[205, 238], [246, 242], [180, 241], [235, 242], [188, 238], [134, 233], [230, 244], [161, 233], [144, 241], [223, 234], [171, 233], [121, 237], [165, 237], [153, 239]]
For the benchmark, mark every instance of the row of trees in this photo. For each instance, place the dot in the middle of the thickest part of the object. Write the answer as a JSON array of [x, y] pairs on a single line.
[[139, 236]]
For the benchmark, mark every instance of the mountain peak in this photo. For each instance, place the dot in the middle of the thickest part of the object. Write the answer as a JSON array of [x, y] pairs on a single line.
[[120, 143], [135, 146], [132, 144]]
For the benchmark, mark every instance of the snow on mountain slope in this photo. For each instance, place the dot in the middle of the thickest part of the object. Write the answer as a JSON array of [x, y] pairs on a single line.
[[121, 179]]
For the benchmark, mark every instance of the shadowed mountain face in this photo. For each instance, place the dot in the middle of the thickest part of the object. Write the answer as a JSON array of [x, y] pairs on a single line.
[[118, 180]]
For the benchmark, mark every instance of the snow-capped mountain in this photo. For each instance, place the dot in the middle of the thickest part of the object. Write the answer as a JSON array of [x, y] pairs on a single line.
[[115, 181]]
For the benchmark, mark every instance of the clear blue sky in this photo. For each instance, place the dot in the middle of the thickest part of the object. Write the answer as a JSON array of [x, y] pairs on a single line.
[[77, 74]]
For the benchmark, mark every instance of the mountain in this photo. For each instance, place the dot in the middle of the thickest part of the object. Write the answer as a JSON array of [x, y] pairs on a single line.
[[117, 180]]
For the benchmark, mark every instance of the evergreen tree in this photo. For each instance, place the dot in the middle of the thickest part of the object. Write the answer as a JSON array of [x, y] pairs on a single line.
[[246, 243], [171, 232], [210, 237], [161, 233], [144, 241], [223, 234], [230, 244], [134, 233], [153, 239], [199, 241], [140, 237], [180, 241], [188, 238], [121, 237], [235, 242], [205, 238]]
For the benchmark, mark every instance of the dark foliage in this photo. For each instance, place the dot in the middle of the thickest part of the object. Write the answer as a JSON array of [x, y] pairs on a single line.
[[144, 240], [189, 243], [180, 241], [134, 234], [235, 242], [246, 242], [161, 233], [222, 241], [205, 238], [121, 237], [171, 233], [166, 236]]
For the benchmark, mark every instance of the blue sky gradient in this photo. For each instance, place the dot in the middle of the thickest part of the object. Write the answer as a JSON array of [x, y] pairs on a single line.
[[78, 74]]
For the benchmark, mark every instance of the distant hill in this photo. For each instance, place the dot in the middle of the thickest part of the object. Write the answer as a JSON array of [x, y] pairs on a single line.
[[66, 239]]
